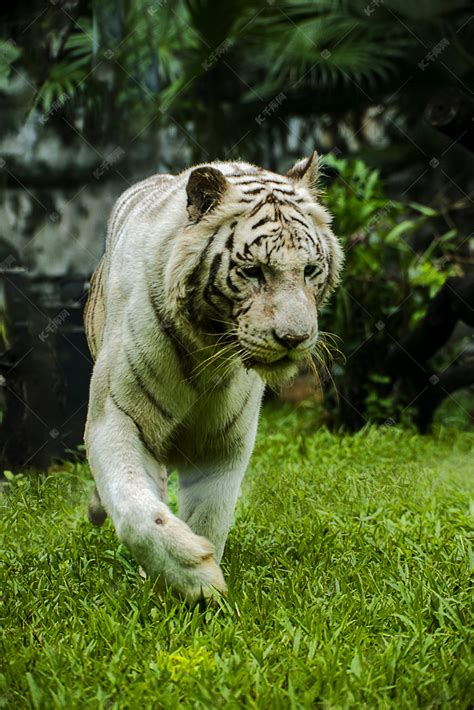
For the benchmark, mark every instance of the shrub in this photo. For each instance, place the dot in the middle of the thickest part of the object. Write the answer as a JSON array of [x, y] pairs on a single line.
[[386, 285]]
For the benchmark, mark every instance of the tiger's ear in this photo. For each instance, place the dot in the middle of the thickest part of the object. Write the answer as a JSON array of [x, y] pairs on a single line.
[[306, 172], [205, 188]]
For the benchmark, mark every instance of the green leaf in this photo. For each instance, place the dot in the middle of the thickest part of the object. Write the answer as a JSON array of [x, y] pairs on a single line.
[[424, 209], [35, 691], [408, 225], [356, 667], [9, 53], [382, 379]]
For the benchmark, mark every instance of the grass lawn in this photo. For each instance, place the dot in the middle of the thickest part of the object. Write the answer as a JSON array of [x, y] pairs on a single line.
[[348, 568]]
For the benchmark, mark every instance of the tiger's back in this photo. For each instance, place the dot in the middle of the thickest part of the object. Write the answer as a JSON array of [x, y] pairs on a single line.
[[94, 310]]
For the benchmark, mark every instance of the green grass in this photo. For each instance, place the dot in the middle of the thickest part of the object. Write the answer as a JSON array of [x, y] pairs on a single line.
[[348, 566]]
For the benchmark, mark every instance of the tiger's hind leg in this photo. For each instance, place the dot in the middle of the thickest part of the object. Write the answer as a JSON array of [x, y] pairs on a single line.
[[95, 511]]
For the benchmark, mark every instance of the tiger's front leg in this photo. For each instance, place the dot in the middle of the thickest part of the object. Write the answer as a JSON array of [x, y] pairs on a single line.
[[208, 492], [207, 501], [128, 488]]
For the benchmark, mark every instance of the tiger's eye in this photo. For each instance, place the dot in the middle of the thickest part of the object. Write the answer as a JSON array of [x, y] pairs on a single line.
[[254, 273], [312, 270]]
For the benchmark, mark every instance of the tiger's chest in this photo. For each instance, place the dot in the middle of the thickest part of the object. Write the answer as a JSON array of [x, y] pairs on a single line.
[[218, 422]]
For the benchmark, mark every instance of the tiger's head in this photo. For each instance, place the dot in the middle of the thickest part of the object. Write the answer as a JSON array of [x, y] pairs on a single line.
[[255, 261]]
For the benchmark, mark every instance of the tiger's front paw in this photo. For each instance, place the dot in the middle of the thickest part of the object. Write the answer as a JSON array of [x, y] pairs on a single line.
[[193, 573], [205, 581], [170, 552]]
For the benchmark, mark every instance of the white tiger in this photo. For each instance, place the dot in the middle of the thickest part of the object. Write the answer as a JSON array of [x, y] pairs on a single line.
[[208, 289]]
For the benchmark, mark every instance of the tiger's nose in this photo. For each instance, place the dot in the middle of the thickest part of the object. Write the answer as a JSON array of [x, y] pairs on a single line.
[[290, 340]]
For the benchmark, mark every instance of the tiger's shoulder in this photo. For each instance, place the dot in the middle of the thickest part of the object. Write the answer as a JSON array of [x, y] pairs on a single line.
[[153, 189], [94, 310]]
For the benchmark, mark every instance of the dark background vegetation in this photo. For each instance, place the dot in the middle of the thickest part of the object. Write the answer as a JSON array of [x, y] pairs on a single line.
[[97, 94]]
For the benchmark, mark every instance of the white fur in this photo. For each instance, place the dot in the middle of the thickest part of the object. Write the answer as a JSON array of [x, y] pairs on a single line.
[[153, 245]]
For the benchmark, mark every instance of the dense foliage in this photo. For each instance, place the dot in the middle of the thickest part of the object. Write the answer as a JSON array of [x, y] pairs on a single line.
[[386, 284], [158, 63]]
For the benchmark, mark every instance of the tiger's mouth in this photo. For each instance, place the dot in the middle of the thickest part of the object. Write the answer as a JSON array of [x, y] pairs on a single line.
[[283, 361], [276, 372], [274, 367]]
